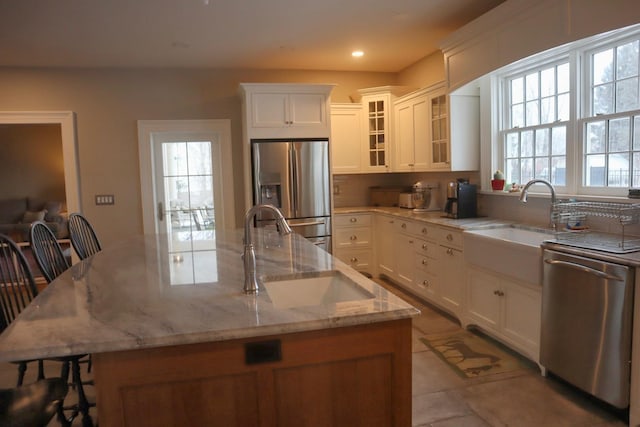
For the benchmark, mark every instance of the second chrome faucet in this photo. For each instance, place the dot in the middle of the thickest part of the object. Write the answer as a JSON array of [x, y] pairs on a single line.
[[525, 190]]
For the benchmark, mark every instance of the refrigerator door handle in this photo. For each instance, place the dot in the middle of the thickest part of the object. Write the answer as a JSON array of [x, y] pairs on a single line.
[[293, 158], [304, 224]]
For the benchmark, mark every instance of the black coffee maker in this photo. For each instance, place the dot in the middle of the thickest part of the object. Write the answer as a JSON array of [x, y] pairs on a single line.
[[461, 199]]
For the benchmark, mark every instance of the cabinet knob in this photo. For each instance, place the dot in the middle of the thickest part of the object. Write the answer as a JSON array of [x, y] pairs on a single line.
[[449, 237], [498, 293], [411, 241], [404, 225], [354, 260], [353, 237], [354, 220], [449, 251], [424, 262], [410, 165], [424, 230], [425, 283], [424, 246]]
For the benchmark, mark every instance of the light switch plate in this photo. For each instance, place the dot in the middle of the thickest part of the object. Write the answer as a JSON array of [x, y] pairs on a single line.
[[105, 199]]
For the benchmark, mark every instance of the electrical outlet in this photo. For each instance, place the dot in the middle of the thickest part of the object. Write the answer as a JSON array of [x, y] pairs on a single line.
[[105, 199]]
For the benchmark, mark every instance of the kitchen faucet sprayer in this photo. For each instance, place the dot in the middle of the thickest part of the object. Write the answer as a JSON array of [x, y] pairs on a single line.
[[249, 256], [525, 190]]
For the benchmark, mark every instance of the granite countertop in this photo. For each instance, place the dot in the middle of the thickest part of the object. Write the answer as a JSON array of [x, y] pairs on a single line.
[[138, 294], [430, 217]]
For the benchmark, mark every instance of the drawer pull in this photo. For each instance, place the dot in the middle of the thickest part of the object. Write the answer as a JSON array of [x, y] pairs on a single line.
[[424, 262], [449, 237], [354, 220], [424, 230], [425, 283], [354, 260], [498, 293], [424, 246], [449, 251], [354, 237], [404, 225]]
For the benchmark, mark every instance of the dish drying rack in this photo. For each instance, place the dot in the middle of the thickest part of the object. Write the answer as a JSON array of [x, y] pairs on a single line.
[[571, 217]]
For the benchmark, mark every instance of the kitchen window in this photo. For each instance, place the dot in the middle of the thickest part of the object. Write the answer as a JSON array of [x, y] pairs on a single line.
[[535, 138], [571, 116]]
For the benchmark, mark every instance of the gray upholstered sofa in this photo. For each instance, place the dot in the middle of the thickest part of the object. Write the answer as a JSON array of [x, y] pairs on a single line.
[[17, 214]]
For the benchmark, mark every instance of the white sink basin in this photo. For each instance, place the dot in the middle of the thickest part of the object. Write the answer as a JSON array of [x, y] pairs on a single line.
[[313, 289], [512, 251]]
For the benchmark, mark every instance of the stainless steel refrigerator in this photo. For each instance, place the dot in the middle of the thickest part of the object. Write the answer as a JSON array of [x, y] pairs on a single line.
[[294, 176]]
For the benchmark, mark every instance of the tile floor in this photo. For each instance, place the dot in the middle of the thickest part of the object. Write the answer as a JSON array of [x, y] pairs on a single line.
[[523, 398], [441, 398]]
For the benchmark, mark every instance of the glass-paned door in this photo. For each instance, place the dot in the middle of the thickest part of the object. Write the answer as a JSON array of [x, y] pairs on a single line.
[[186, 210]]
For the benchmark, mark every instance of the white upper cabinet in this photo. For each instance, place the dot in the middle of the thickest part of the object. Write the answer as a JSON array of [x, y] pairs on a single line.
[[377, 104], [454, 123], [286, 110], [412, 142], [425, 130], [347, 136]]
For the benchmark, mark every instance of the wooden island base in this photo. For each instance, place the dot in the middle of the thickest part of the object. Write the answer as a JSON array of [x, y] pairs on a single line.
[[349, 376]]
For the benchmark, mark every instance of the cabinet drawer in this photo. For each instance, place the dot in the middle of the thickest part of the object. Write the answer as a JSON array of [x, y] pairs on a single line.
[[423, 230], [352, 220], [352, 236], [359, 259], [403, 225], [425, 263], [426, 248], [448, 237]]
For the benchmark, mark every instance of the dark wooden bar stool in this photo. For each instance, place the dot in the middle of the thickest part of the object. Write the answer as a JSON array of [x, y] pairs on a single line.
[[82, 236]]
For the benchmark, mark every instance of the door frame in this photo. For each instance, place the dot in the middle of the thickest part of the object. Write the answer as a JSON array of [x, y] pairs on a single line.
[[67, 122], [220, 129]]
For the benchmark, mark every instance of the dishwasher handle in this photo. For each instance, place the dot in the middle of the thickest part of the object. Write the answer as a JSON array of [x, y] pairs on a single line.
[[585, 269]]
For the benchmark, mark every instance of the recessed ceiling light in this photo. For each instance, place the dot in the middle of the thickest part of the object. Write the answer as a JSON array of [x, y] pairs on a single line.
[[357, 53]]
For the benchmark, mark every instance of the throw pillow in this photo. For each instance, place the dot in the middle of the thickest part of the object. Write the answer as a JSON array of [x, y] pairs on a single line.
[[30, 217], [53, 211]]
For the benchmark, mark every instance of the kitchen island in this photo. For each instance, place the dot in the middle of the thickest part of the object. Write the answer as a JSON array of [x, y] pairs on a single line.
[[176, 342]]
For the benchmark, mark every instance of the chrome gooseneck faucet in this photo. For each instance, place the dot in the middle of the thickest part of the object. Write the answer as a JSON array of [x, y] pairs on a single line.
[[525, 190], [249, 256]]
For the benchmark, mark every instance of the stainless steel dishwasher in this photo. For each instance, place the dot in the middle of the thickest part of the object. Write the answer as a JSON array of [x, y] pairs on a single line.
[[586, 324]]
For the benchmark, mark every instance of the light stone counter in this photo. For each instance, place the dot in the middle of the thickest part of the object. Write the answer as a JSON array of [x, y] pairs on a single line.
[[135, 295], [437, 218]]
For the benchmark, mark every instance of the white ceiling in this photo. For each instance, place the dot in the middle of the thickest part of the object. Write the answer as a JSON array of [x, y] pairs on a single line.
[[273, 34]]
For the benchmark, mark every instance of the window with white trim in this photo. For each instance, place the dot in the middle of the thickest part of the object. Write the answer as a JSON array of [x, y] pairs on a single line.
[[535, 139], [611, 155], [572, 116]]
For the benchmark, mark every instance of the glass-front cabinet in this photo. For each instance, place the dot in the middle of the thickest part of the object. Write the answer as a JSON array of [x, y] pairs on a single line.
[[439, 116], [377, 131], [377, 109], [377, 105]]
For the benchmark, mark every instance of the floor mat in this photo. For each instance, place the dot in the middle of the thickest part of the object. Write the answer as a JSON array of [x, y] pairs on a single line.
[[470, 355]]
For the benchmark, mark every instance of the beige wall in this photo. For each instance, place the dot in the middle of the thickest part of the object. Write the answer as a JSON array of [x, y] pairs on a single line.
[[425, 72], [31, 162], [108, 103]]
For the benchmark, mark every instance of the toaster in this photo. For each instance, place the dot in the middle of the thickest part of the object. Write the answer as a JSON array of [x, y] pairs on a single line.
[[406, 200]]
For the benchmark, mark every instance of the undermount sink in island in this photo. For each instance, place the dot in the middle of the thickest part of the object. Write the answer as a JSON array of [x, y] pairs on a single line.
[[173, 336]]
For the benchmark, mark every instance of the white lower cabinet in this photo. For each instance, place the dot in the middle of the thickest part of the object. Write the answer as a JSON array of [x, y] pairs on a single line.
[[506, 308], [352, 241], [384, 242], [452, 279], [425, 259], [403, 251]]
